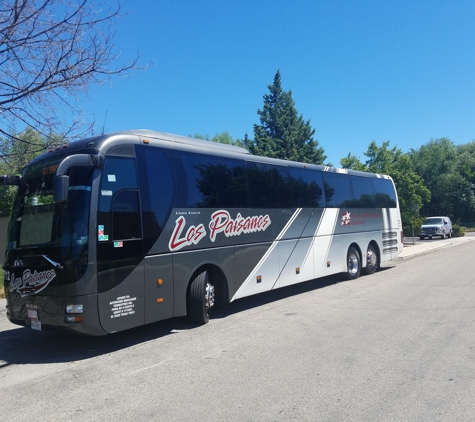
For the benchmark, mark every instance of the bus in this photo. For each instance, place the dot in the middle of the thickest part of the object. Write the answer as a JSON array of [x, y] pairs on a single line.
[[129, 228]]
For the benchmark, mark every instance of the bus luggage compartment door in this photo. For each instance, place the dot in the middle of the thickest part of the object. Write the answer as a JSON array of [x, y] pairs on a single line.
[[158, 288]]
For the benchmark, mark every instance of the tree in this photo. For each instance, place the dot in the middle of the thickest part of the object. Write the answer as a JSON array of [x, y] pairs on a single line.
[[222, 138], [51, 51], [449, 172], [282, 133], [16, 155], [412, 193]]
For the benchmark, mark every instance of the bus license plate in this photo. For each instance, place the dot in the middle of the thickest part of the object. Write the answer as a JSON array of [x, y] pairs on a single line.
[[33, 317], [35, 324], [32, 314]]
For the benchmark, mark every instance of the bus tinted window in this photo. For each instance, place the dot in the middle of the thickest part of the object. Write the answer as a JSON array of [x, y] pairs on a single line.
[[268, 186], [125, 216], [337, 190], [206, 181], [157, 191], [362, 192], [119, 173], [307, 187], [385, 195]]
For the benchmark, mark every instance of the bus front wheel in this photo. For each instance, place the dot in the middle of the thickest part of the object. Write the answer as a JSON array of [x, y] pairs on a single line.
[[353, 263], [201, 298]]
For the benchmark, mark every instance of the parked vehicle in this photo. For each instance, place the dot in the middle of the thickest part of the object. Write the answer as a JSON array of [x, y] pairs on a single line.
[[436, 226]]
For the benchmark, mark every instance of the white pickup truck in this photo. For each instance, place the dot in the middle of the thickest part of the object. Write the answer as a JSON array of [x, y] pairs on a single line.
[[436, 226]]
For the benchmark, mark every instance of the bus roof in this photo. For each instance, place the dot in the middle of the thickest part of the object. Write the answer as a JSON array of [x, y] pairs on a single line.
[[103, 143]]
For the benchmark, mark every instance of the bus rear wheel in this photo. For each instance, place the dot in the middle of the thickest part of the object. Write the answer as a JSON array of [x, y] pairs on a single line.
[[371, 260], [201, 298], [353, 261]]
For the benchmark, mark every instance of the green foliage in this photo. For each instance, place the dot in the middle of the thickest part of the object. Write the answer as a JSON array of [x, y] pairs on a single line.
[[282, 133], [352, 162], [16, 152], [449, 173], [417, 223], [412, 193], [222, 138], [457, 231]]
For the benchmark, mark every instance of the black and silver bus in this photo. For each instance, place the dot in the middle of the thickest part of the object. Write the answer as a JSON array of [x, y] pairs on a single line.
[[134, 227]]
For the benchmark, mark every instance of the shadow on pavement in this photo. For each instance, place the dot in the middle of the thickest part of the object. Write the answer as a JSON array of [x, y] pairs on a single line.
[[20, 345]]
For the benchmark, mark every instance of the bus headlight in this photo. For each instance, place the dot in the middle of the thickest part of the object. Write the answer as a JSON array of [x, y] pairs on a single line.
[[74, 309]]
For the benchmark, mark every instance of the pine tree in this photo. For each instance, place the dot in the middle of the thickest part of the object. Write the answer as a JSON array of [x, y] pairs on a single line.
[[282, 133]]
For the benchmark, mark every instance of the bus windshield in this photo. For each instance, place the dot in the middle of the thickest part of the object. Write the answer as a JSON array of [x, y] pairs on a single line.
[[58, 230]]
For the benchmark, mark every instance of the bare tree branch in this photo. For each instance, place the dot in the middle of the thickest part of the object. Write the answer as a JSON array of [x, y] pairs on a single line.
[[51, 51]]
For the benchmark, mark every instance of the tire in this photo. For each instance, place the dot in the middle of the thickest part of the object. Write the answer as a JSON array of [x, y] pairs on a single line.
[[442, 236], [421, 237], [353, 262], [201, 299], [372, 260], [449, 235]]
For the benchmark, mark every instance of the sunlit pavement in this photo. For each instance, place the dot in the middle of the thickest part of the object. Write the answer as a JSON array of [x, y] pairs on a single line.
[[415, 247]]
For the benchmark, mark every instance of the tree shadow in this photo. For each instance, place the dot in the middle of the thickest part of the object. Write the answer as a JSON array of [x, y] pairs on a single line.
[[21, 345]]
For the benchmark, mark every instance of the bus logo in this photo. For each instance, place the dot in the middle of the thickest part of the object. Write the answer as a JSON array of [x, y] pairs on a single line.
[[221, 222], [30, 283], [346, 218]]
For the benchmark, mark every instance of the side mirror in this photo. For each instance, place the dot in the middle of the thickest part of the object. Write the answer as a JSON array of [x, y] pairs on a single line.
[[61, 188]]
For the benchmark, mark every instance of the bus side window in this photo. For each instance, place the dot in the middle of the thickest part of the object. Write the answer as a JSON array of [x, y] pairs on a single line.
[[157, 191], [119, 175], [269, 185], [207, 181], [362, 192], [385, 194], [307, 187], [337, 190], [126, 216]]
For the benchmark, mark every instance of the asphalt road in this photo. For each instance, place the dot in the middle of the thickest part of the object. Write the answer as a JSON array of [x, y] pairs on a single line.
[[395, 346]]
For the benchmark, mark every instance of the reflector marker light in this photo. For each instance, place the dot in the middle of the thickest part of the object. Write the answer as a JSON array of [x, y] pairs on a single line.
[[74, 309]]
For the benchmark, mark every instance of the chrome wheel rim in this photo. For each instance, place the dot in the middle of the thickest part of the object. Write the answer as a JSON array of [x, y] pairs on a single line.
[[371, 259], [209, 296], [353, 264]]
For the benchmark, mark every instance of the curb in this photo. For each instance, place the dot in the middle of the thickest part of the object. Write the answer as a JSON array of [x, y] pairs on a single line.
[[425, 252], [433, 249]]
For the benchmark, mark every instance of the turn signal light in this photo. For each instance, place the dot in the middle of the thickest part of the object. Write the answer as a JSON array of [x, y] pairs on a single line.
[[73, 319]]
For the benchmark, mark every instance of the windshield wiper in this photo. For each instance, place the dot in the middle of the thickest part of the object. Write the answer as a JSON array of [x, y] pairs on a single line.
[[54, 263]]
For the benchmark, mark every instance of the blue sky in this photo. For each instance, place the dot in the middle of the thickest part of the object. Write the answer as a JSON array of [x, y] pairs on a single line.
[[402, 71]]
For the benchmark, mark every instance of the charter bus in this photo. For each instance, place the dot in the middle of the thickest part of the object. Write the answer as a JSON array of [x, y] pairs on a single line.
[[130, 228]]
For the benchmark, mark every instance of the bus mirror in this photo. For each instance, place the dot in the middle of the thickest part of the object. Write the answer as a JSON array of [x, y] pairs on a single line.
[[61, 188]]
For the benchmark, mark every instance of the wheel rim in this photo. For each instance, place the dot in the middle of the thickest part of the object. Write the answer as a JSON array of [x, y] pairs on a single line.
[[353, 264], [371, 259], [209, 296]]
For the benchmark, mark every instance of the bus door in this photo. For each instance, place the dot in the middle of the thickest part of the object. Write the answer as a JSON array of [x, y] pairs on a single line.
[[120, 262]]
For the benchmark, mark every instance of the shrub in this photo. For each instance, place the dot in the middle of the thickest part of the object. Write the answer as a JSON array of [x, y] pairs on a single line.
[[457, 231]]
